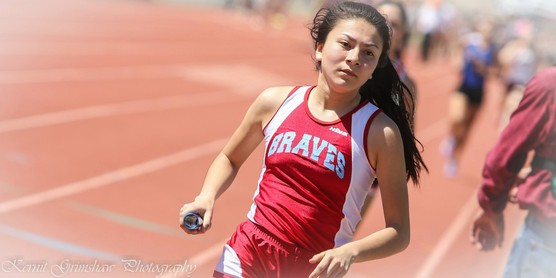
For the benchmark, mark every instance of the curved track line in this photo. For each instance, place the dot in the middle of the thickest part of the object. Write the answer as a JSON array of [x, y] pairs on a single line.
[[448, 238], [57, 244], [108, 110], [122, 174]]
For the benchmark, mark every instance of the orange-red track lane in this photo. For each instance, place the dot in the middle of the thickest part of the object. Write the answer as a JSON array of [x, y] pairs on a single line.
[[111, 111]]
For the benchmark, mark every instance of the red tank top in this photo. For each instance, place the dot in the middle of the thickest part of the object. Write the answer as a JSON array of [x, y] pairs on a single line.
[[315, 175]]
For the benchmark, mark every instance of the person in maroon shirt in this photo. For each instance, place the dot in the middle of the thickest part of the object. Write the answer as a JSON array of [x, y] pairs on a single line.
[[532, 127]]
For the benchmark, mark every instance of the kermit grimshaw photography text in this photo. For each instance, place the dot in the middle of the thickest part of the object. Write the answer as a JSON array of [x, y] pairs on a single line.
[[65, 267]]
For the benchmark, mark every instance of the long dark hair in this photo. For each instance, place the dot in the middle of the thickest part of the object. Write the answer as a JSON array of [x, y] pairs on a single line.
[[385, 89]]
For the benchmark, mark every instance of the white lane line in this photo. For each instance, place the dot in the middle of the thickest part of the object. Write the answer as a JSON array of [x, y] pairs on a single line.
[[235, 76], [112, 177], [449, 237], [100, 48], [90, 74], [108, 110], [238, 76], [459, 223], [231, 76]]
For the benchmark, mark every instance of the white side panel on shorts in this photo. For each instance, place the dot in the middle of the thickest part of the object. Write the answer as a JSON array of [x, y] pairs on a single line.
[[229, 263]]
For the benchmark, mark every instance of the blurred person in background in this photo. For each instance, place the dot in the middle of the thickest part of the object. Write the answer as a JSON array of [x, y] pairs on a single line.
[[436, 22], [428, 23], [465, 102], [530, 129], [396, 15], [262, 13], [518, 63], [448, 31], [324, 146]]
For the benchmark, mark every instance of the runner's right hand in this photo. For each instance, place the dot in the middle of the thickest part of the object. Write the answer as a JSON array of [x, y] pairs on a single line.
[[202, 207]]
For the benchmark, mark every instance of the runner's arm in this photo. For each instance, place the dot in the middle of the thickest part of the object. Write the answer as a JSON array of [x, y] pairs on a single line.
[[243, 142], [387, 157], [227, 163]]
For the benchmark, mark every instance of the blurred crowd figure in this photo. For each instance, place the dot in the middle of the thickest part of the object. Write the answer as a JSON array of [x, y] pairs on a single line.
[[435, 22], [479, 58], [518, 63], [500, 49], [397, 16], [263, 13]]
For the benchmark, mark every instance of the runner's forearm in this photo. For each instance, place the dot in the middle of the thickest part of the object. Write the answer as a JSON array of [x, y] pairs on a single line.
[[220, 176], [381, 244]]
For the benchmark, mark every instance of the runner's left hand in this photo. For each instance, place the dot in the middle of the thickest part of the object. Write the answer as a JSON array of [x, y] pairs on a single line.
[[332, 263]]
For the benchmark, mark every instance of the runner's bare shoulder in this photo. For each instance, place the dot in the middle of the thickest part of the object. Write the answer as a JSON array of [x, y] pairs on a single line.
[[270, 99]]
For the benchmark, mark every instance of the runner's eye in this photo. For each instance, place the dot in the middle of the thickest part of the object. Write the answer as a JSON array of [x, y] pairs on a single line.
[[345, 44]]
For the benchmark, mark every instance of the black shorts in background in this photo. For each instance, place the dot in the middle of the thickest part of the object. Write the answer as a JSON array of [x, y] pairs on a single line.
[[474, 95]]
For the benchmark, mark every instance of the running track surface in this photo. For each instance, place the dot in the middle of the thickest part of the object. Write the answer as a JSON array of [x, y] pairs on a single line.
[[111, 112]]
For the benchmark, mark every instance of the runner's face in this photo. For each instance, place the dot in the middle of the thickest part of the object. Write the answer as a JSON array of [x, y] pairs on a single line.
[[350, 54]]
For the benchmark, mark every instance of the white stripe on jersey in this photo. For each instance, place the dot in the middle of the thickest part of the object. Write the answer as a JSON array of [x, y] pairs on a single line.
[[291, 102], [362, 175]]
